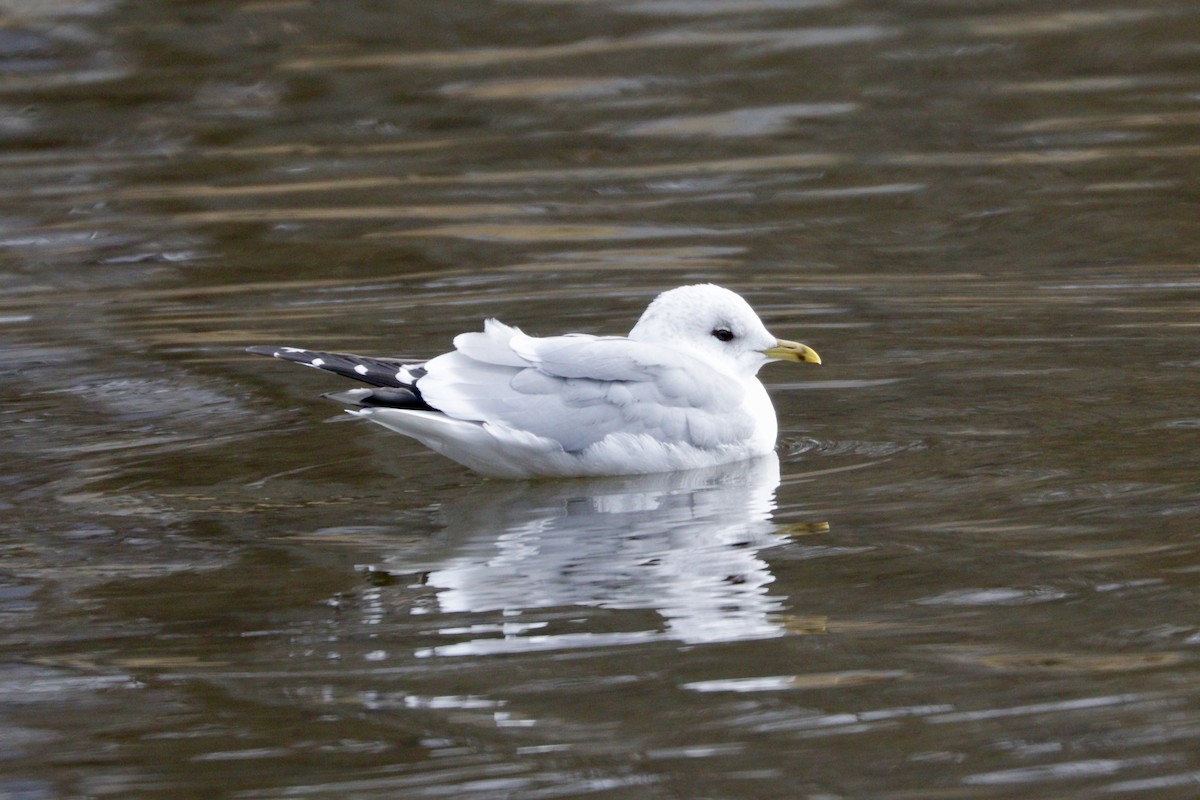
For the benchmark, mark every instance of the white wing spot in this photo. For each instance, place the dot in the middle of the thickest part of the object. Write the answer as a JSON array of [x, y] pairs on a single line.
[[294, 350], [360, 369], [318, 362]]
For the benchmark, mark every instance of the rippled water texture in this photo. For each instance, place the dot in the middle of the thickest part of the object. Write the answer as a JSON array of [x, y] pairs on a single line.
[[971, 572]]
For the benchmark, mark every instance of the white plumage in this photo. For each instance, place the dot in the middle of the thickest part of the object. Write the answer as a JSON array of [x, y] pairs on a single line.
[[680, 392]]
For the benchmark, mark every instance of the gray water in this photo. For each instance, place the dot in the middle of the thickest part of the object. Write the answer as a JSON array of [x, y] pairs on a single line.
[[971, 572]]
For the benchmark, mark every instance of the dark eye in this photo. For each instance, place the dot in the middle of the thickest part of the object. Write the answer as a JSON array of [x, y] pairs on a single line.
[[723, 334]]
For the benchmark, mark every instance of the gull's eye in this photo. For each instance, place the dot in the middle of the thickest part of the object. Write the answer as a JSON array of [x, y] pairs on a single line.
[[723, 334]]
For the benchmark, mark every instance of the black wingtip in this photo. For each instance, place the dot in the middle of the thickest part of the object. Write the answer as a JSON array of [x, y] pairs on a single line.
[[382, 372], [380, 397]]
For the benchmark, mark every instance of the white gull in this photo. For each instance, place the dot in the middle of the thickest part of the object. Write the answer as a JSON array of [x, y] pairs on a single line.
[[680, 392]]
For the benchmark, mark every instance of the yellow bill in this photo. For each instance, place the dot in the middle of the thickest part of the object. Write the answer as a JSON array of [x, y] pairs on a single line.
[[792, 351]]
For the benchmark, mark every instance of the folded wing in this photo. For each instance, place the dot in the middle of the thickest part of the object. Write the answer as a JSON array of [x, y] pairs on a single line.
[[579, 389]]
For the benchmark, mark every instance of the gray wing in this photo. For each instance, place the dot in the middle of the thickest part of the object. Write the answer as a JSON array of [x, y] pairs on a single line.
[[579, 389]]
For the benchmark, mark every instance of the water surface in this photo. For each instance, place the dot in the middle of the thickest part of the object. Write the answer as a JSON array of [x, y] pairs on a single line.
[[970, 572]]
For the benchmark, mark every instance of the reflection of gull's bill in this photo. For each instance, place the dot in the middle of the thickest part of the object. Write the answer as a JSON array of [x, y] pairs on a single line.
[[685, 545]]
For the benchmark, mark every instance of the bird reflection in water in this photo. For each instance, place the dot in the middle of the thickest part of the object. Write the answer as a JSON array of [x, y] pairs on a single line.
[[685, 545]]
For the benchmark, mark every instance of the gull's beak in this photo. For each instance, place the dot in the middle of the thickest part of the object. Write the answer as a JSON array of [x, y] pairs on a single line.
[[792, 351]]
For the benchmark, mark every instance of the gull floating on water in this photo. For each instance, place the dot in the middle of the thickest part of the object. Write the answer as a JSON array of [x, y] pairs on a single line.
[[680, 392]]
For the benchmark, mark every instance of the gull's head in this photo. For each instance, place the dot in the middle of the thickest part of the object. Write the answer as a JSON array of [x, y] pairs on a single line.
[[718, 326]]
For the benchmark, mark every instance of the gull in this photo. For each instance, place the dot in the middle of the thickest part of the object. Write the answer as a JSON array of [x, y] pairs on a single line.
[[679, 392]]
